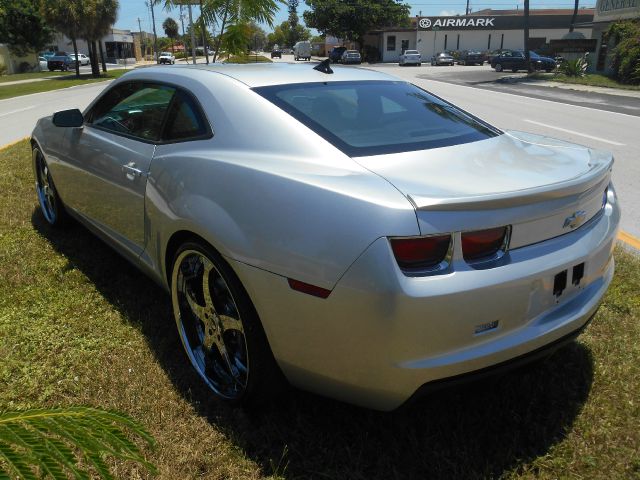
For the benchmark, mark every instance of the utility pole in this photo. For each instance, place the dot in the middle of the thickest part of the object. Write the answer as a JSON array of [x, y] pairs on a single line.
[[155, 37], [193, 35], [184, 35], [527, 56], [467, 11]]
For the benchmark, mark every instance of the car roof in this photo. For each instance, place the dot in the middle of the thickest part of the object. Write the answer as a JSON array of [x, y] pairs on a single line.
[[260, 74]]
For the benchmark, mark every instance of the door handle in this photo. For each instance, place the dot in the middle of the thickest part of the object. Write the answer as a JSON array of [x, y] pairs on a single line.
[[131, 171]]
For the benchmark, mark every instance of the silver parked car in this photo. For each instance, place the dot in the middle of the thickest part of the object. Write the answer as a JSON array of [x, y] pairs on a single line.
[[410, 57], [388, 244], [442, 59], [351, 56]]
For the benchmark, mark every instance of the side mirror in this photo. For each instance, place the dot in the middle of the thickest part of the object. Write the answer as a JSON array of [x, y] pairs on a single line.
[[68, 118]]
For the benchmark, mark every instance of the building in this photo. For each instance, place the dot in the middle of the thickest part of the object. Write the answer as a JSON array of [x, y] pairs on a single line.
[[117, 45], [607, 12], [484, 30]]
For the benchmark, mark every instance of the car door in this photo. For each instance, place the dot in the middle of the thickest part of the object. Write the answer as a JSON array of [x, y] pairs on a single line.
[[109, 158]]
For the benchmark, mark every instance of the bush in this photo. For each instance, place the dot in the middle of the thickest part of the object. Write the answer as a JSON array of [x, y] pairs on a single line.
[[626, 54], [574, 68]]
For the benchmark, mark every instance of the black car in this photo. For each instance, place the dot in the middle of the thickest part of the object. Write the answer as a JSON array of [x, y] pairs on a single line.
[[60, 62], [336, 54], [468, 57], [276, 53], [514, 60]]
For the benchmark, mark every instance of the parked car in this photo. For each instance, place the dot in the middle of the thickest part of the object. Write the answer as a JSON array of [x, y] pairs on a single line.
[[494, 53], [410, 57], [470, 57], [43, 63], [351, 57], [514, 60], [82, 59], [276, 53], [442, 59], [167, 57], [348, 258], [60, 62], [302, 51], [335, 55]]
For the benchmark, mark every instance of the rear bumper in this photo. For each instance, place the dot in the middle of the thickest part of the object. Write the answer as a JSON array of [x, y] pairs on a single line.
[[381, 336]]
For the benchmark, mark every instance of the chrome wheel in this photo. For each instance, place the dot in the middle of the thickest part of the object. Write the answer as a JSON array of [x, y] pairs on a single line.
[[209, 324], [47, 197]]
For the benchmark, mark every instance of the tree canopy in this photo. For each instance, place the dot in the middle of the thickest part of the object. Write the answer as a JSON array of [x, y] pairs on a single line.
[[22, 27], [281, 34], [67, 17], [352, 20]]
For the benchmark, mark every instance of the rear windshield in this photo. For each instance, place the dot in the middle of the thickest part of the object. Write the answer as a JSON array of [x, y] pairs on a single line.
[[377, 117]]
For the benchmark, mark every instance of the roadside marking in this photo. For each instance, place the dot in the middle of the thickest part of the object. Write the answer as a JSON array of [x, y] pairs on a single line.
[[16, 111], [497, 92], [599, 139], [629, 239], [11, 144]]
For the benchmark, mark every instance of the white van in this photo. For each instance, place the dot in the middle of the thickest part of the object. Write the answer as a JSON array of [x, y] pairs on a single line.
[[302, 50]]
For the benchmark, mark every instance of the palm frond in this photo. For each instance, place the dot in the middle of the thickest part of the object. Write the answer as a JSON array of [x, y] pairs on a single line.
[[51, 442]]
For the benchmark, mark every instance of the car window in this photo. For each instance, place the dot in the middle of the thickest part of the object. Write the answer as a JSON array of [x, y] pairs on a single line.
[[377, 117], [136, 109], [185, 120]]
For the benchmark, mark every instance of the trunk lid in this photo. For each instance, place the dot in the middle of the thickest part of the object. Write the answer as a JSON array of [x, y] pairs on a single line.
[[531, 182]]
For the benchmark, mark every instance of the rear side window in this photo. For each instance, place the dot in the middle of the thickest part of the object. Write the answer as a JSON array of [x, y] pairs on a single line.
[[377, 117], [185, 120], [133, 109]]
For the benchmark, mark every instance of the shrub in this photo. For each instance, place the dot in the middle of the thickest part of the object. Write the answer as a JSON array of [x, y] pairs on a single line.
[[574, 68], [626, 53]]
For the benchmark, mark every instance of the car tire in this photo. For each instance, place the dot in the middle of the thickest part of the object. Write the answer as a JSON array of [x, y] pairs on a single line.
[[220, 330], [498, 67], [548, 70], [419, 64], [50, 203], [514, 70]]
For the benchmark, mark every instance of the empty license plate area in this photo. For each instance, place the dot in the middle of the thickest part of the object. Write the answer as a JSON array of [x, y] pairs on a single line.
[[568, 280]]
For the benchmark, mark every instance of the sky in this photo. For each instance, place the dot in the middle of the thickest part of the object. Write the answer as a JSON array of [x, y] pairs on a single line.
[[132, 10]]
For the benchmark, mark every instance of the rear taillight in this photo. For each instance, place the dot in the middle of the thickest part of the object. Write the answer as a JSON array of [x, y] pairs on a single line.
[[483, 244], [421, 253]]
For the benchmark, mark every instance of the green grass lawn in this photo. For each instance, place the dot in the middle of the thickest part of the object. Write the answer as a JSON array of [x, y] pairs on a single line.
[[80, 326], [591, 79], [31, 75], [247, 59], [9, 91]]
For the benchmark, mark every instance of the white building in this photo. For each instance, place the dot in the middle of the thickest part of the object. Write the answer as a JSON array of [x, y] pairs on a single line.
[[117, 46], [484, 30]]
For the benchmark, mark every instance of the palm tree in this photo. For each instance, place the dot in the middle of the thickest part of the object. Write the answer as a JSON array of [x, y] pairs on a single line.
[[66, 17], [100, 15], [235, 12], [53, 440], [170, 27]]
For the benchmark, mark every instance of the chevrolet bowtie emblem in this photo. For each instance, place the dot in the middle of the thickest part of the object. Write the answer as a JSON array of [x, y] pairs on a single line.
[[575, 220]]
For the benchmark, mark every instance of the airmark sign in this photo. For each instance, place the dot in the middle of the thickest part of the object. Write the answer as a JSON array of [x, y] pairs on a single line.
[[457, 22]]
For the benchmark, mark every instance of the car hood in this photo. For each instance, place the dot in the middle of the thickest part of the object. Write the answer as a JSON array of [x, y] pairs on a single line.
[[514, 168]]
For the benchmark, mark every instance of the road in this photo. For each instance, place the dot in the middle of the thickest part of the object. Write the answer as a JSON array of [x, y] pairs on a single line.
[[594, 127]]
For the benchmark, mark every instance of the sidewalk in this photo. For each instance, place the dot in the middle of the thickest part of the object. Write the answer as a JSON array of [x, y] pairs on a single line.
[[570, 86]]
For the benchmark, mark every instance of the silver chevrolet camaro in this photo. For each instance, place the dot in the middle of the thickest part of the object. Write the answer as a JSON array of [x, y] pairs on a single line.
[[345, 230]]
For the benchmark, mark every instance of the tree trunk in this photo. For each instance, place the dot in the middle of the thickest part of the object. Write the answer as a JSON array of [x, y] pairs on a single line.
[[102, 59], [204, 34], [575, 14], [95, 65], [75, 51], [224, 22]]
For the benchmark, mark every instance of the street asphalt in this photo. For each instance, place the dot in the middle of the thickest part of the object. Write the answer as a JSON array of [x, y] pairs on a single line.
[[606, 122]]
